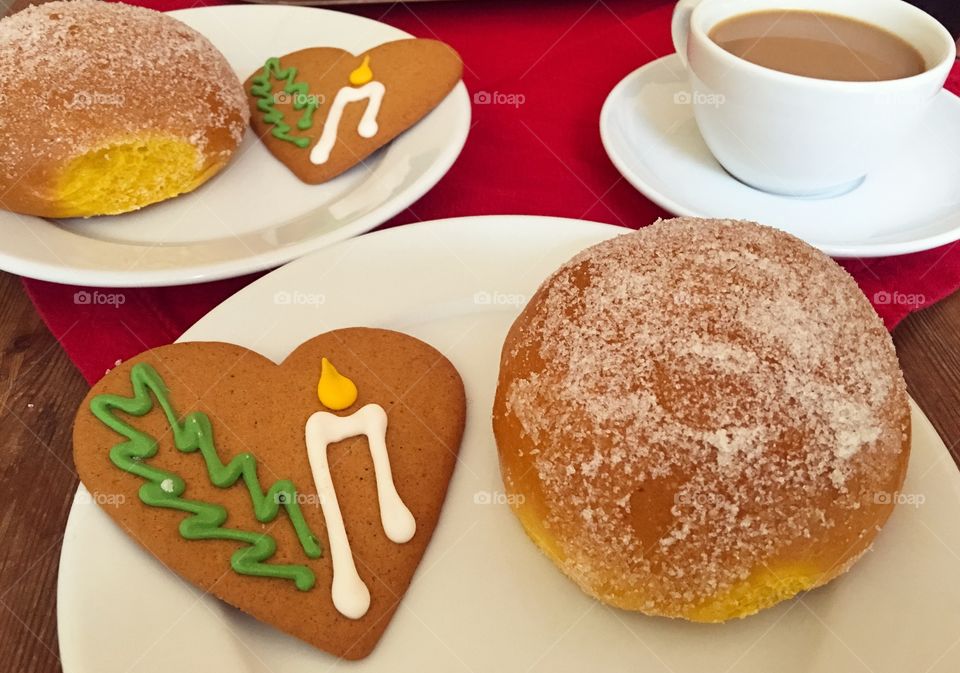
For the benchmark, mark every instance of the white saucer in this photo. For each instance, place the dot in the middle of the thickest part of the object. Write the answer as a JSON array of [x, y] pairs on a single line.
[[911, 204], [255, 214], [485, 599]]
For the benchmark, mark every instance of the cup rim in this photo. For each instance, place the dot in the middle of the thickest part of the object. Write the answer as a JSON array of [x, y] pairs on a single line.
[[935, 71]]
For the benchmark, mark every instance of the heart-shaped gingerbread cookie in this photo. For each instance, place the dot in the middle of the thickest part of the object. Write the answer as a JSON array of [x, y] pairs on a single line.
[[322, 110], [303, 493]]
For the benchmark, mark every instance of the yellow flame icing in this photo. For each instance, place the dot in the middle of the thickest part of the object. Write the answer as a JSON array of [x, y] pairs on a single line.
[[335, 390], [362, 74]]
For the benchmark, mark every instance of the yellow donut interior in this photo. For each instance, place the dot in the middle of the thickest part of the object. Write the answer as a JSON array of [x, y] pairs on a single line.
[[766, 587], [128, 175]]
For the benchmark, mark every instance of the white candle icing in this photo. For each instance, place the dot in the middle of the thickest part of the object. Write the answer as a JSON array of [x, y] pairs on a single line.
[[367, 128], [350, 595]]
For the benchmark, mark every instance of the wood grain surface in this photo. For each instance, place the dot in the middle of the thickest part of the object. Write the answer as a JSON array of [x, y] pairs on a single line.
[[40, 390]]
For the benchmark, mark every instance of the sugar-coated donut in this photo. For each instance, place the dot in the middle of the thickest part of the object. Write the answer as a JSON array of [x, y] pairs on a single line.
[[701, 419], [106, 108]]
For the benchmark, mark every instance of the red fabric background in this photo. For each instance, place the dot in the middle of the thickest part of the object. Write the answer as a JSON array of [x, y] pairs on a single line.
[[542, 157]]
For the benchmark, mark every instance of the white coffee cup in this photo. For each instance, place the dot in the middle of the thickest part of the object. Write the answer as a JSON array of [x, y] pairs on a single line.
[[802, 136]]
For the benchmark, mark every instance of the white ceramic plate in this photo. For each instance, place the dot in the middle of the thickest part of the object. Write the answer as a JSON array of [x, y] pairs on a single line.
[[911, 204], [256, 214], [484, 598]]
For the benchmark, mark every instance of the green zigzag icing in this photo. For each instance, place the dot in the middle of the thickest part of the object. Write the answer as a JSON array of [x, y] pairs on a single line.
[[262, 89], [163, 489]]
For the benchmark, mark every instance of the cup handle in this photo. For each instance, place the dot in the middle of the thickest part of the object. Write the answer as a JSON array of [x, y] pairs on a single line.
[[680, 26]]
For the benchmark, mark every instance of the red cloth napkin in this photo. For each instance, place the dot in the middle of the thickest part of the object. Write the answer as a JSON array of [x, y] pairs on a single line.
[[540, 157]]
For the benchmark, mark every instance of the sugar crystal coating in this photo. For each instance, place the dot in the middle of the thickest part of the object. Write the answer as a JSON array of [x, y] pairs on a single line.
[[726, 366], [75, 75]]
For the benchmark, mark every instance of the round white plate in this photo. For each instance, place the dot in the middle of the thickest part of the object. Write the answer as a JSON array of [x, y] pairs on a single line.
[[912, 203], [256, 214], [484, 598]]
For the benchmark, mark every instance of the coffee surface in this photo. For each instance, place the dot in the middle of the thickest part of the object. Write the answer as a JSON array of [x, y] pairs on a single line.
[[819, 45]]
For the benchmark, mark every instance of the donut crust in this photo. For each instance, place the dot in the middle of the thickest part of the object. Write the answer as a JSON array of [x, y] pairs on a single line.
[[701, 419], [107, 108]]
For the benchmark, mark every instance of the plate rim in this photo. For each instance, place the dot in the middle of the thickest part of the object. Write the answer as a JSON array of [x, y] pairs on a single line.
[[51, 270], [619, 159]]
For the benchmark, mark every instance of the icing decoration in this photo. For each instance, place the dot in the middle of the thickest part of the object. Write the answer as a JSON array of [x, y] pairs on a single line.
[[364, 88], [164, 488], [351, 597], [335, 390], [362, 74], [262, 89], [367, 128]]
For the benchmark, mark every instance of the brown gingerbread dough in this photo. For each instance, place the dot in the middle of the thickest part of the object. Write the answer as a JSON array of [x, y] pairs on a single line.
[[416, 74], [259, 407]]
